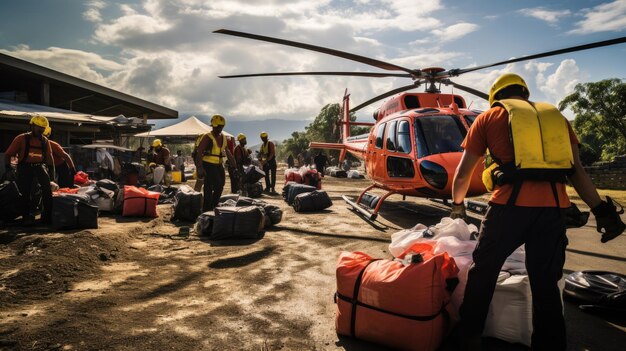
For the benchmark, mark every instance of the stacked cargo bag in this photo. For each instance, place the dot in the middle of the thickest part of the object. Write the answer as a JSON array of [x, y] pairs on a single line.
[[9, 198], [238, 223], [252, 174], [296, 189], [139, 202], [229, 197], [73, 211], [286, 189], [312, 177], [598, 291], [354, 174], [187, 204], [338, 173], [273, 215], [204, 223], [400, 306], [254, 190], [292, 175], [314, 201]]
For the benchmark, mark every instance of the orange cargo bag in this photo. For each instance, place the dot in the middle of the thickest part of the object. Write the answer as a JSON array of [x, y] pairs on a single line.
[[139, 202], [386, 302]]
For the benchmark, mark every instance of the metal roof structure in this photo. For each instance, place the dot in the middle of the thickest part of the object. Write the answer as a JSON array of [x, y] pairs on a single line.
[[40, 85]]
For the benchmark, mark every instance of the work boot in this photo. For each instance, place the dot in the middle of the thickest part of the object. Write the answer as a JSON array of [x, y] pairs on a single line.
[[273, 192], [266, 191]]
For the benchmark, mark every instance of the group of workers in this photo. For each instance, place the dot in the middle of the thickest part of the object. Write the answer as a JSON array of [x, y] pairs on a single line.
[[210, 152]]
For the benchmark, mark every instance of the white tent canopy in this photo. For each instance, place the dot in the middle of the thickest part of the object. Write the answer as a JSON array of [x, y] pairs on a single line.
[[191, 127]]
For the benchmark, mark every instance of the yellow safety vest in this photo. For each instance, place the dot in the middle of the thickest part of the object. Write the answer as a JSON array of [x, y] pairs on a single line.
[[216, 154], [265, 150], [541, 145]]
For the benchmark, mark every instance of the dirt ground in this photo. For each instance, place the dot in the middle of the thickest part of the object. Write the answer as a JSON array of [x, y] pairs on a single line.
[[134, 284]]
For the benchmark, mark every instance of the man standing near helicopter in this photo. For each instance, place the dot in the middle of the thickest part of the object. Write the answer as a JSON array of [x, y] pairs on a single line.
[[535, 152]]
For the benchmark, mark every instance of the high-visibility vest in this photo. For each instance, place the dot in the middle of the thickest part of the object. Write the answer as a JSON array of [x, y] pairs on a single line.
[[541, 144], [216, 154], [265, 150]]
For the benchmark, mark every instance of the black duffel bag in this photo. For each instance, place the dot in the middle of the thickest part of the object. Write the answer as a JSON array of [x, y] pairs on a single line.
[[252, 174], [254, 189], [369, 200], [73, 211], [313, 201], [286, 189], [296, 189], [238, 223], [9, 200], [187, 204], [273, 215], [338, 173], [204, 223]]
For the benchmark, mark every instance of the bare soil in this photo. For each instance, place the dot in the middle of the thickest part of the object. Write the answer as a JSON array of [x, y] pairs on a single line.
[[134, 284]]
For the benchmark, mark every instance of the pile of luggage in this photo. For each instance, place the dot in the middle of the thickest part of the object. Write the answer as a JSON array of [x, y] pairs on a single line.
[[304, 175], [407, 295], [251, 177], [337, 172], [238, 217], [305, 198]]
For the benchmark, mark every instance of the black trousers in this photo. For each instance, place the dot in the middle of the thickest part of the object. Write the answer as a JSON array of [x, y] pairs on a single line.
[[505, 228], [235, 181], [26, 173], [270, 174], [214, 180], [65, 176], [320, 169]]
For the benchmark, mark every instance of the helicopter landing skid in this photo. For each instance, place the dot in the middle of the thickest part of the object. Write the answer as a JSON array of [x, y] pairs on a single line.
[[369, 215], [471, 205]]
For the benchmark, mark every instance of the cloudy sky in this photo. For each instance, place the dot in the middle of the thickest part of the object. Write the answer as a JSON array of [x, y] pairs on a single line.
[[164, 51]]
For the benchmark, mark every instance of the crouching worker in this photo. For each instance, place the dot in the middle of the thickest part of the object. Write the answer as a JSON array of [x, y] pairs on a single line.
[[530, 168], [163, 162], [209, 159], [63, 164], [35, 163]]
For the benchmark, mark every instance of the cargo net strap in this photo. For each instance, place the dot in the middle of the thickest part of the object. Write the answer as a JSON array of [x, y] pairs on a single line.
[[145, 202], [355, 302]]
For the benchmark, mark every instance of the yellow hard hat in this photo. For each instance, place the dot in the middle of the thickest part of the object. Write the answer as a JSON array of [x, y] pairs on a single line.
[[241, 136], [40, 121], [504, 81], [264, 135], [47, 132], [157, 143], [218, 120], [152, 164]]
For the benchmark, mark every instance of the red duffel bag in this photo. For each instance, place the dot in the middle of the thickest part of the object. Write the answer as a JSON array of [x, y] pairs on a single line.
[[81, 178], [139, 202], [401, 306], [293, 176]]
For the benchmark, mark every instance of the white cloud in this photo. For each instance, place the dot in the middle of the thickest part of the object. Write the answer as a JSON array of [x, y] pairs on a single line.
[[86, 65], [92, 13], [602, 18], [454, 32], [549, 16]]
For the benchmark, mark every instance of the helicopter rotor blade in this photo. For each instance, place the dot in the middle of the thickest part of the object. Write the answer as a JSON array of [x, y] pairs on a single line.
[[467, 89], [366, 60], [455, 72], [354, 74], [382, 96]]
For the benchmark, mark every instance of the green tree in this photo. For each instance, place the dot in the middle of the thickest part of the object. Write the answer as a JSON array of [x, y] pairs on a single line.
[[299, 142], [600, 121]]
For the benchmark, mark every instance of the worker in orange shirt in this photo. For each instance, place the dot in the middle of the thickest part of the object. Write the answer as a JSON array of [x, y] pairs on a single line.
[[267, 156], [34, 162], [63, 164]]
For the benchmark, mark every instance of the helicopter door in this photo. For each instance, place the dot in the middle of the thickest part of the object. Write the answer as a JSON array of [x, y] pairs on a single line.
[[399, 162], [377, 159]]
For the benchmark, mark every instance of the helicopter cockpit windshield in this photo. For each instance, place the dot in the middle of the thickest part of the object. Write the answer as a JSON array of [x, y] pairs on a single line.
[[438, 134]]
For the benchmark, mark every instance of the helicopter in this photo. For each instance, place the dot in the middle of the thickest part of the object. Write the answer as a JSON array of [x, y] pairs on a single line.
[[414, 146]]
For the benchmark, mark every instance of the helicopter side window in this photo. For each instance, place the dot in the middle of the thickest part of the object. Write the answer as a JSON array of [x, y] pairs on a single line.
[[438, 134], [391, 136], [380, 134], [403, 137], [400, 167]]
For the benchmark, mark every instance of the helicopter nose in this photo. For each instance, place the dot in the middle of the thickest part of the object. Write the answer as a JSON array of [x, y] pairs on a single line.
[[435, 174]]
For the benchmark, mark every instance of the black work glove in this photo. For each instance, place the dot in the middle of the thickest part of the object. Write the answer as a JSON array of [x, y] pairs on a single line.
[[458, 211], [607, 218]]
